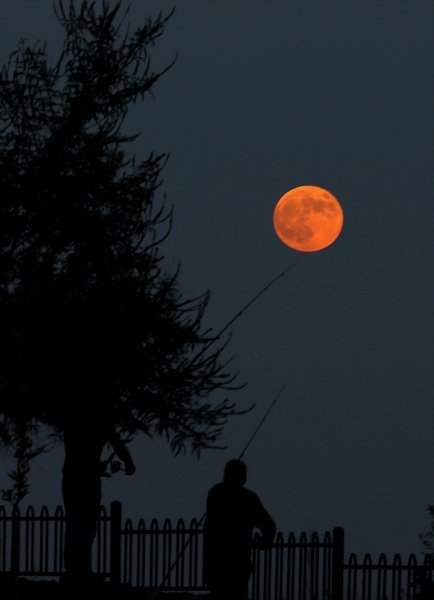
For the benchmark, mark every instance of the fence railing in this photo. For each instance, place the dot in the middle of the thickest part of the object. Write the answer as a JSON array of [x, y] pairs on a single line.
[[307, 567], [391, 579]]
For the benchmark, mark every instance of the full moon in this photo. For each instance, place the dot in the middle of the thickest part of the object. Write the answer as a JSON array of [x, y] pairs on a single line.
[[308, 218]]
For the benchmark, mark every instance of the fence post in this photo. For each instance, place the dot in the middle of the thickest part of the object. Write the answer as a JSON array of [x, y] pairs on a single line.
[[338, 564], [115, 542], [15, 542]]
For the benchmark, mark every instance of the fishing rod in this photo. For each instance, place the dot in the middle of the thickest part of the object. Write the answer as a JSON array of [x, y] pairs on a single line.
[[116, 465], [264, 418], [202, 351], [186, 544], [240, 313]]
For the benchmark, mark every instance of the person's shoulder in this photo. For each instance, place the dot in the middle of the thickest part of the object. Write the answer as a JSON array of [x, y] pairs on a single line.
[[249, 491], [215, 489], [251, 495]]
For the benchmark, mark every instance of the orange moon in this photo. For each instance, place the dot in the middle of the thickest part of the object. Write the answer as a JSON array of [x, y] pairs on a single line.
[[308, 218]]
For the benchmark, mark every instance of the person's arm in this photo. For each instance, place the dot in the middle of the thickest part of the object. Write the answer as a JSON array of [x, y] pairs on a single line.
[[265, 523], [122, 452]]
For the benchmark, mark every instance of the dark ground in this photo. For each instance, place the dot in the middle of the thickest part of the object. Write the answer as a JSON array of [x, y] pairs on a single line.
[[53, 590]]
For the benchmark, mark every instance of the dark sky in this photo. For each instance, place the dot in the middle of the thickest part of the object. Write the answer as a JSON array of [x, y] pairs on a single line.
[[267, 96]]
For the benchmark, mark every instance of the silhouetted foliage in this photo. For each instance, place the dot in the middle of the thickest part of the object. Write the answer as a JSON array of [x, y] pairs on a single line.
[[16, 435], [427, 538], [92, 323], [424, 582]]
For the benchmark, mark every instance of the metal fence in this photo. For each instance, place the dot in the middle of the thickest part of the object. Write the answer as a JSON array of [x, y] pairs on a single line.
[[307, 567], [385, 579]]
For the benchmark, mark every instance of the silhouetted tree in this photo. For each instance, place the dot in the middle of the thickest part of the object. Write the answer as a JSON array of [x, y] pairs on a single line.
[[424, 582], [427, 538], [16, 437], [94, 328]]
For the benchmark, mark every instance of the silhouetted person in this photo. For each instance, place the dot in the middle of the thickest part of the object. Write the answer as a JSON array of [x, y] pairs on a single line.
[[232, 513], [81, 489]]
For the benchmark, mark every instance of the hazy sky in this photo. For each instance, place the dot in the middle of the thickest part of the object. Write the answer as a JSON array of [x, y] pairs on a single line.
[[267, 96]]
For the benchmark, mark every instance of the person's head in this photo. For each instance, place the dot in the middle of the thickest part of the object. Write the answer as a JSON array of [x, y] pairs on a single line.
[[235, 472]]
